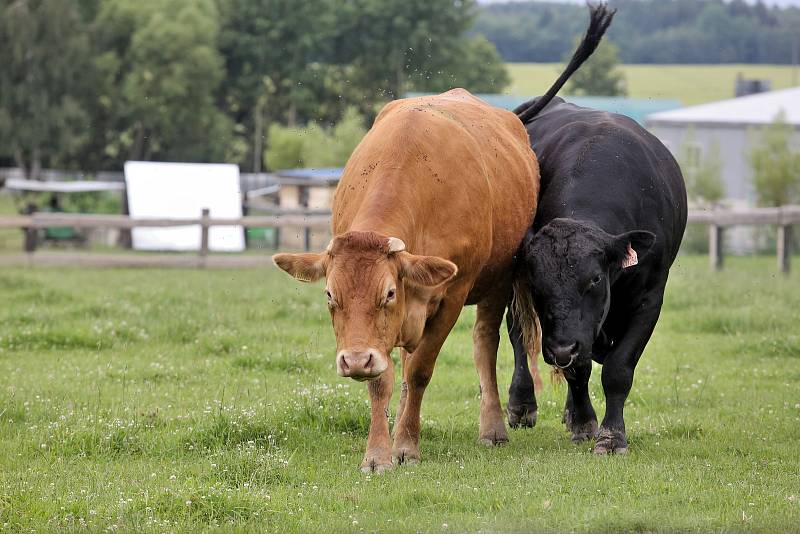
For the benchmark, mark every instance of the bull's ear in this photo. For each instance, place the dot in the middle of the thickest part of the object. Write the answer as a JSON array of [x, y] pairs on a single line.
[[630, 248], [426, 270], [308, 267]]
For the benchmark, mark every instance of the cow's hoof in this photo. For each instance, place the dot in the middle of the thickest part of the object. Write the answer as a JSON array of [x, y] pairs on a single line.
[[494, 437], [376, 463], [581, 433], [611, 442], [405, 456], [373, 465], [522, 416]]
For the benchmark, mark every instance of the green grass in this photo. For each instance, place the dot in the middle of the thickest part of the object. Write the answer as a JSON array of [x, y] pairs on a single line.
[[189, 400], [10, 238], [690, 84]]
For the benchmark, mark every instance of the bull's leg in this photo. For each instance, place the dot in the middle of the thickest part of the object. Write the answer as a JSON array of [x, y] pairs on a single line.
[[417, 372], [579, 416], [618, 373], [378, 456], [485, 339], [522, 408]]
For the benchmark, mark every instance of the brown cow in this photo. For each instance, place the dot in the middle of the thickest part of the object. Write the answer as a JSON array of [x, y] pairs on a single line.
[[430, 210]]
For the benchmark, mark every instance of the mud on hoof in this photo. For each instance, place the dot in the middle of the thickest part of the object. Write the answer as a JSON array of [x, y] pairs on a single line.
[[583, 432], [495, 438], [375, 464], [522, 416], [611, 442], [405, 456]]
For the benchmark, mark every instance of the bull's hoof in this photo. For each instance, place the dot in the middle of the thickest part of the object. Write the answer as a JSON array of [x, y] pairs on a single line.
[[581, 433], [407, 455], [522, 416], [611, 442], [567, 420], [376, 463]]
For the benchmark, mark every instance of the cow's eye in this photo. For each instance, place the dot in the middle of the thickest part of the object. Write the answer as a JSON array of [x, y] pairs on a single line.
[[596, 280], [390, 295], [330, 297]]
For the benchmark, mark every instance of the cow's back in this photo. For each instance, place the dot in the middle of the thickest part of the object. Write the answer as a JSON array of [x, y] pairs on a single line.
[[449, 174]]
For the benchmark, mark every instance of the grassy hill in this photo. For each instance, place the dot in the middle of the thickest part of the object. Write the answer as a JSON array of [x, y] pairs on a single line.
[[690, 84]]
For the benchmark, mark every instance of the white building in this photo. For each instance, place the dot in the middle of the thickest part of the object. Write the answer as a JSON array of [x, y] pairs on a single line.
[[732, 125]]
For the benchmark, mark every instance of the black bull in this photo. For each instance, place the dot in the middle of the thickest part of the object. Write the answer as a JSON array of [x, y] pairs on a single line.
[[611, 195]]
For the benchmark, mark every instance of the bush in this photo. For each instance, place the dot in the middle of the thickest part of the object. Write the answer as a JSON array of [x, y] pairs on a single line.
[[776, 165], [314, 146]]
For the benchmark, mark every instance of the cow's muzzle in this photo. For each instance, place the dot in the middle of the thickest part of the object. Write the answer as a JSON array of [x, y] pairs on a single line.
[[361, 365]]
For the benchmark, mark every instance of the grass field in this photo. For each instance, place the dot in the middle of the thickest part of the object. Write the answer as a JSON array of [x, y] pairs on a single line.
[[690, 84], [188, 400]]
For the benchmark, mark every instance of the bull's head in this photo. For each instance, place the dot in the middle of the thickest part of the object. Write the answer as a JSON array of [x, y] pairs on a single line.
[[570, 267], [368, 279]]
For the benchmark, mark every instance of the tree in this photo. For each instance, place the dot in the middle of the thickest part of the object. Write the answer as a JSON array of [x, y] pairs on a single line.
[[314, 146], [776, 165], [599, 76], [474, 65], [160, 70], [43, 53], [269, 47], [702, 173]]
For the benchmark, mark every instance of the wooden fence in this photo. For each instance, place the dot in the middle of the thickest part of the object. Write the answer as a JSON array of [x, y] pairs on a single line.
[[783, 218], [718, 220], [308, 220]]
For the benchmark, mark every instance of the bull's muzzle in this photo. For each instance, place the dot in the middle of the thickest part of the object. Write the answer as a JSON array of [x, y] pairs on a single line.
[[561, 356], [361, 364]]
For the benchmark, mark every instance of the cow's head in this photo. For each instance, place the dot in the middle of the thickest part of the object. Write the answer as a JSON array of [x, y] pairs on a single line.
[[570, 266], [368, 276]]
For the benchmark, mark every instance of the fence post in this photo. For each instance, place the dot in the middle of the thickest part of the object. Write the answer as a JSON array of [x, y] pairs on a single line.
[[31, 233], [784, 248], [715, 235], [204, 219]]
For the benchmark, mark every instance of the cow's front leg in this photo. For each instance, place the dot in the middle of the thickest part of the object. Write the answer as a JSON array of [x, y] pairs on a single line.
[[485, 339], [618, 374], [579, 415], [417, 373], [378, 457], [522, 407]]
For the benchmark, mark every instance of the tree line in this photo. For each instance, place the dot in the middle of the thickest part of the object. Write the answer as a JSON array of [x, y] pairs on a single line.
[[89, 84], [649, 31]]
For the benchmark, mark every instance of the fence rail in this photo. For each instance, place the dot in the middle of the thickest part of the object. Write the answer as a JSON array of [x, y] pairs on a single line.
[[718, 220], [783, 218]]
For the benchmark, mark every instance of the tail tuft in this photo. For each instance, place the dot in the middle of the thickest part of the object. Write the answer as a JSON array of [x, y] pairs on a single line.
[[600, 17], [525, 315]]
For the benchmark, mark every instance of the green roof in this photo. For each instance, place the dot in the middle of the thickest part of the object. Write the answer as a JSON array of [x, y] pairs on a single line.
[[635, 108]]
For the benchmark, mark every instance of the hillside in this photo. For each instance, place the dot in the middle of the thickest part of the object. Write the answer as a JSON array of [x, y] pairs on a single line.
[[690, 84]]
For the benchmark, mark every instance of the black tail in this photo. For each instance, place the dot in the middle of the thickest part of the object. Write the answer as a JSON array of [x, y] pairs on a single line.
[[600, 18]]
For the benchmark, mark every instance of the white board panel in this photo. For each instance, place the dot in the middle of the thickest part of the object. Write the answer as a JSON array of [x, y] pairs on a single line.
[[182, 190]]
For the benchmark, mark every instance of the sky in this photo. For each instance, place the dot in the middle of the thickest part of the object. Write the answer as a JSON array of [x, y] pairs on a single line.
[[795, 3]]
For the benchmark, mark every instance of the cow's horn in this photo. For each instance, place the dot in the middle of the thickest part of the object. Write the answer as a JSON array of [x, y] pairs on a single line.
[[330, 246], [396, 245]]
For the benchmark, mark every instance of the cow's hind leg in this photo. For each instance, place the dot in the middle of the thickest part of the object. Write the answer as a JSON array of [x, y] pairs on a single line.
[[522, 408], [579, 416], [485, 340]]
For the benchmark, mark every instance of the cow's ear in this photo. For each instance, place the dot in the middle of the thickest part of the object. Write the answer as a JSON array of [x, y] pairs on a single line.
[[426, 271], [630, 248], [308, 267]]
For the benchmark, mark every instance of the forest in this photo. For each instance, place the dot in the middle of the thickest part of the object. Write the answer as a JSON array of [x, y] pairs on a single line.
[[649, 31]]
